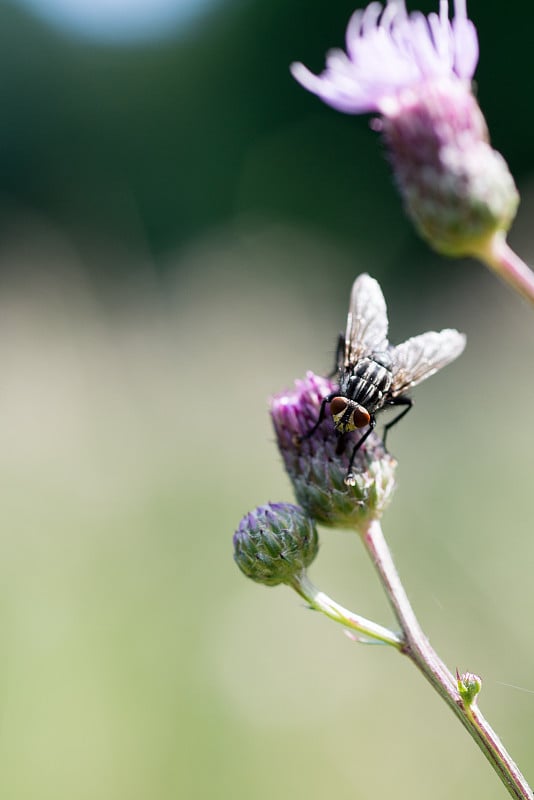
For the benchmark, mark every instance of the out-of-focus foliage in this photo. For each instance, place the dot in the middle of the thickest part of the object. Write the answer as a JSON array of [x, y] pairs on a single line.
[[137, 660], [175, 137], [180, 225]]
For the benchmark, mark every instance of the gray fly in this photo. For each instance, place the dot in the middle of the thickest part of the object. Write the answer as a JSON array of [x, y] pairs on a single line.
[[373, 374]]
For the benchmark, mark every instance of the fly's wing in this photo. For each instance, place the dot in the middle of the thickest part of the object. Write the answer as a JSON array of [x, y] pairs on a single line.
[[421, 356], [367, 322]]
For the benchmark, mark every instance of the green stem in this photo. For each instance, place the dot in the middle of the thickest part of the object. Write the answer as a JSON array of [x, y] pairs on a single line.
[[321, 602], [418, 649], [500, 257]]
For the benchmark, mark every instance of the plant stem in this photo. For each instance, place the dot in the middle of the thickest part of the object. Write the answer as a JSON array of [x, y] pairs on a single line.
[[419, 650], [320, 601], [500, 257]]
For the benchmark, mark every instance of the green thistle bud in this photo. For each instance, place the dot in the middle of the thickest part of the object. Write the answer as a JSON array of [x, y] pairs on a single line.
[[275, 543], [469, 686], [316, 466]]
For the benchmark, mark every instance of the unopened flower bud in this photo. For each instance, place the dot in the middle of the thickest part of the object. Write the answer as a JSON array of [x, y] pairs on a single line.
[[275, 543], [317, 465], [469, 686]]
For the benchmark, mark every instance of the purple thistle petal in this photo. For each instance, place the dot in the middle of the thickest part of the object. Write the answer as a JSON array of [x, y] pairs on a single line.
[[465, 47], [389, 51]]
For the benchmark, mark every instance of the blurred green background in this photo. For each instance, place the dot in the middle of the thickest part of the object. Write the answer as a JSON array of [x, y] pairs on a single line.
[[180, 228]]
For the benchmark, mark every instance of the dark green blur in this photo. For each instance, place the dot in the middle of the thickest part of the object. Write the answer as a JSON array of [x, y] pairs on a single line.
[[172, 140]]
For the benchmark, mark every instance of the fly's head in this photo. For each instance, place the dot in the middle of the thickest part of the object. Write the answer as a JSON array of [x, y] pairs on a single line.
[[348, 415]]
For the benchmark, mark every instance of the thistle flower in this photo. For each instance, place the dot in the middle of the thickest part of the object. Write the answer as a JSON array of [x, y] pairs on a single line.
[[416, 72], [317, 465], [275, 543]]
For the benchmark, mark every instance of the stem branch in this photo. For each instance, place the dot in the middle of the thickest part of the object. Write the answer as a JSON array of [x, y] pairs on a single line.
[[418, 649], [500, 257], [320, 601]]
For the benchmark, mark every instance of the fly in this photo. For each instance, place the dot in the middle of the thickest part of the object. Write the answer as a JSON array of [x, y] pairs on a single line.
[[373, 374]]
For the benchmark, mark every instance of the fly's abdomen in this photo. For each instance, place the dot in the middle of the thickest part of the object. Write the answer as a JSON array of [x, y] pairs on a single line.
[[369, 383]]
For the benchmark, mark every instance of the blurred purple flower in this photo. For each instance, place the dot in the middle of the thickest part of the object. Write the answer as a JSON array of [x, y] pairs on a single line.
[[416, 72], [390, 51]]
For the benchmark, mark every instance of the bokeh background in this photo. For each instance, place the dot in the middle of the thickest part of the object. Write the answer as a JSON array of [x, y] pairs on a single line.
[[180, 225]]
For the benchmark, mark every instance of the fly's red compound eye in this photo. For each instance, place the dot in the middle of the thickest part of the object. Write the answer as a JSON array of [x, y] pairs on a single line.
[[337, 406], [360, 417]]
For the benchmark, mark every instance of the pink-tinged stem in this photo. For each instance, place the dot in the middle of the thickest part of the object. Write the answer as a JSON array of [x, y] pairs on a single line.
[[500, 257], [418, 649]]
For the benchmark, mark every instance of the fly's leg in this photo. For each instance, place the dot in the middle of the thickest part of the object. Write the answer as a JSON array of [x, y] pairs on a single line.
[[398, 401], [340, 356], [350, 478], [326, 400]]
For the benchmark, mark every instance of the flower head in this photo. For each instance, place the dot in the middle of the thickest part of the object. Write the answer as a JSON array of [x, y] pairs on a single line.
[[416, 72], [275, 543], [317, 465], [456, 188], [390, 51]]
